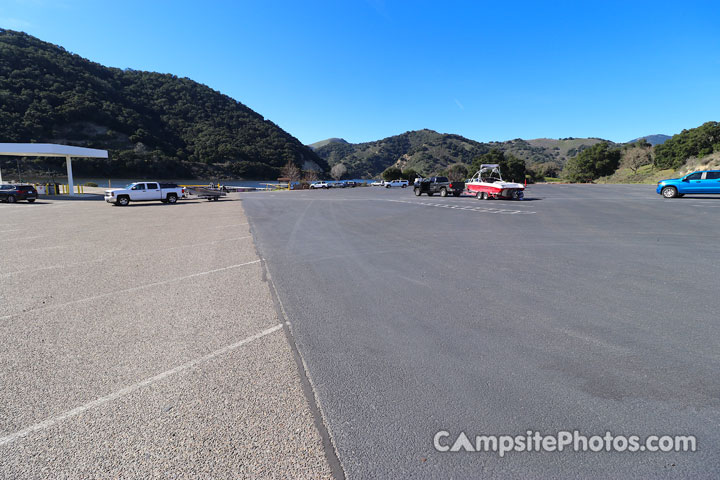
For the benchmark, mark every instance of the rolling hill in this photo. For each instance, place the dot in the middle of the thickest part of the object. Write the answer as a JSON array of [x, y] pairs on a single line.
[[152, 124], [328, 141], [653, 140], [428, 151]]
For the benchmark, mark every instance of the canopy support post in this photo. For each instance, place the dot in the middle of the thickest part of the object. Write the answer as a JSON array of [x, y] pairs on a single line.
[[71, 184]]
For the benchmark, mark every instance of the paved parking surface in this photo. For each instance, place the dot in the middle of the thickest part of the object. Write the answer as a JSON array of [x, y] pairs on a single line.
[[596, 309], [144, 342]]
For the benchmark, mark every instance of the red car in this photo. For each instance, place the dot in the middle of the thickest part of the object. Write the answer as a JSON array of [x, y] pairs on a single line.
[[13, 193]]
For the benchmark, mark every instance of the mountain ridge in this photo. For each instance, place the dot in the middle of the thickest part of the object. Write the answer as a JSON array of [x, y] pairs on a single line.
[[428, 151], [656, 139], [151, 123]]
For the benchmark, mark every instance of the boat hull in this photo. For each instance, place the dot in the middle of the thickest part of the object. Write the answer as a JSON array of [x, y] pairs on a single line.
[[505, 191]]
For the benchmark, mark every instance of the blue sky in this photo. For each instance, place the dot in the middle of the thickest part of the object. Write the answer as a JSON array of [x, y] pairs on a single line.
[[368, 69]]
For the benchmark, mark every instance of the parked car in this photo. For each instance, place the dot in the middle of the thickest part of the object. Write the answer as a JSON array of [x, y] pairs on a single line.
[[336, 184], [697, 182], [397, 183], [145, 192], [12, 193], [319, 185], [440, 185], [378, 183], [350, 183]]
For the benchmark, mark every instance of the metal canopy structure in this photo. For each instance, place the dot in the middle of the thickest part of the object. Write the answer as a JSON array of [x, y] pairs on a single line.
[[51, 150]]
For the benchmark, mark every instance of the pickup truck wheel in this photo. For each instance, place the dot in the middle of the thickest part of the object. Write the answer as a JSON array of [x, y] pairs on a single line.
[[417, 192], [123, 201], [443, 192], [669, 192], [172, 198]]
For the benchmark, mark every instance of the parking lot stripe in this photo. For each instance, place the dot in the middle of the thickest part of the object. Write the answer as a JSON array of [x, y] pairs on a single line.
[[131, 289], [45, 424], [474, 209]]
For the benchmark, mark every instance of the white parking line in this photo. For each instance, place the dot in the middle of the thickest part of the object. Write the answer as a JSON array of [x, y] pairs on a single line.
[[45, 424], [131, 289], [469, 208]]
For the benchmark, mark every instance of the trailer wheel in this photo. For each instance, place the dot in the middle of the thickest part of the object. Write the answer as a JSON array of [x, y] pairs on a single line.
[[481, 196], [443, 192], [417, 192]]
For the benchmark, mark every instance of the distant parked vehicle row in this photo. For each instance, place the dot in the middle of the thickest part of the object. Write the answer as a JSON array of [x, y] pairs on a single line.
[[145, 192], [697, 182], [337, 184], [11, 193]]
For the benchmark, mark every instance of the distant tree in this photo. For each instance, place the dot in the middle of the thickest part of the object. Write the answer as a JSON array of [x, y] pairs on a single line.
[[511, 167], [338, 171], [291, 171], [594, 162], [310, 176], [457, 172], [636, 157], [410, 174], [643, 143], [392, 173]]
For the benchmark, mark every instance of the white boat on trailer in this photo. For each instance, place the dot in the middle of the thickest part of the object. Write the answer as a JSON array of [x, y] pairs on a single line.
[[488, 184]]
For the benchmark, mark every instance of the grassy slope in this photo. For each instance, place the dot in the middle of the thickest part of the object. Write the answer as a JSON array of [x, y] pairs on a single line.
[[428, 152]]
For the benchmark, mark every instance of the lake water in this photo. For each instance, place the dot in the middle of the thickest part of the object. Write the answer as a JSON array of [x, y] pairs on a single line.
[[121, 182]]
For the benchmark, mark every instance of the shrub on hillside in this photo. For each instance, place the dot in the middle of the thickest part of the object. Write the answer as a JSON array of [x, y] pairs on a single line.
[[594, 162]]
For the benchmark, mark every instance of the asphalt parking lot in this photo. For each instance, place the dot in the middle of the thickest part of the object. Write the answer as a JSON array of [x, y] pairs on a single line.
[[144, 342], [588, 307]]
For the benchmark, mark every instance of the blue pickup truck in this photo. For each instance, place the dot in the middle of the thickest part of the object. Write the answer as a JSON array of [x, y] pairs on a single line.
[[696, 182]]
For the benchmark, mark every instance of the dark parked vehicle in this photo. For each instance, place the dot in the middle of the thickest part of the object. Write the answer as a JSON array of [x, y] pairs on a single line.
[[441, 185], [13, 193]]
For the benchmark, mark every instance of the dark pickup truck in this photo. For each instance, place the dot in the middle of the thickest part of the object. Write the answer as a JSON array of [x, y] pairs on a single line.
[[441, 185]]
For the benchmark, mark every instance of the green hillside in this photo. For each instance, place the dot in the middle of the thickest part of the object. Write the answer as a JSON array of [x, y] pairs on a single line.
[[328, 141], [428, 151], [153, 124]]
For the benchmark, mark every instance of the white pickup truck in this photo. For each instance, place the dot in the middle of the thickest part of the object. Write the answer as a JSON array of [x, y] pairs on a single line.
[[145, 192], [397, 183]]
